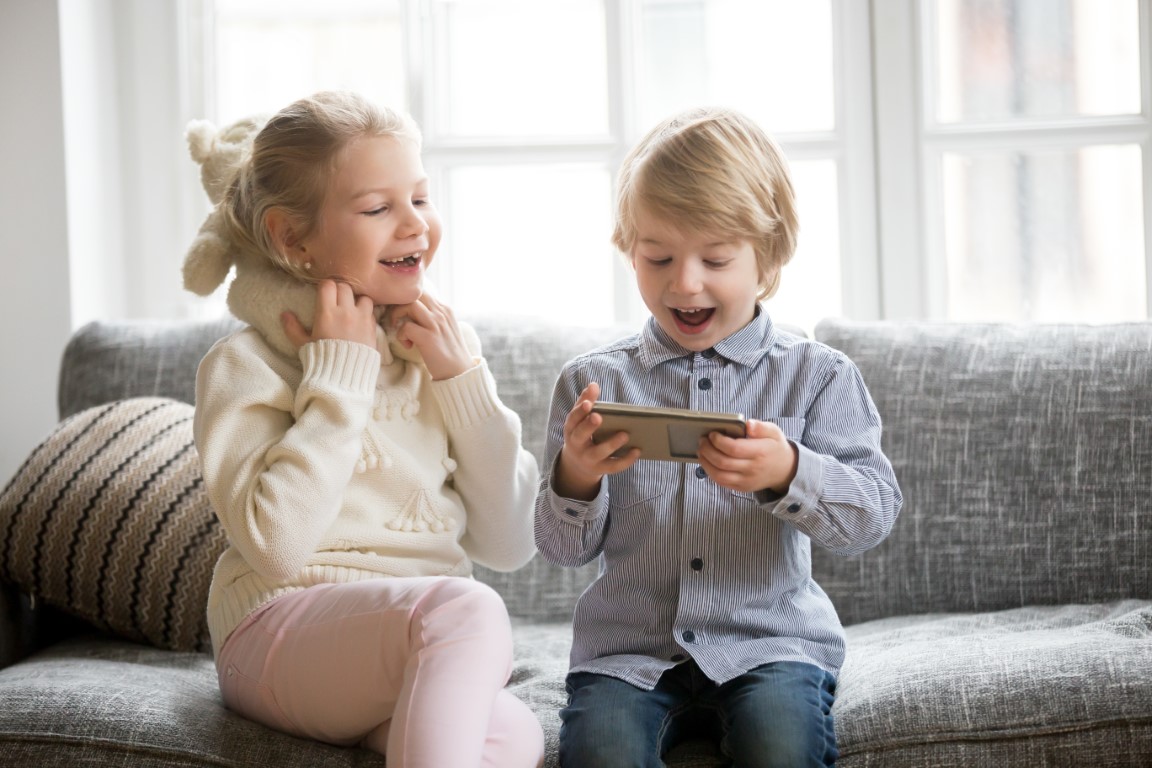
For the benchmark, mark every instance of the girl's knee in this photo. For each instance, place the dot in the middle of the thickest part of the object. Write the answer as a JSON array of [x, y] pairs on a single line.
[[455, 608]]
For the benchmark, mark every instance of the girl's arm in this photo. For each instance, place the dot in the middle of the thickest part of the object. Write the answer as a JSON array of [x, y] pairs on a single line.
[[277, 448], [495, 476]]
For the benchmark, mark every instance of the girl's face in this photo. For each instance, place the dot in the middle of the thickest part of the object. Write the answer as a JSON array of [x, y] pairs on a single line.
[[377, 229], [699, 287]]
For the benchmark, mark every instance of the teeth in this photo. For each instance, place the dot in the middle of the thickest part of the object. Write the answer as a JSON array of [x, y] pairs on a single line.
[[412, 257]]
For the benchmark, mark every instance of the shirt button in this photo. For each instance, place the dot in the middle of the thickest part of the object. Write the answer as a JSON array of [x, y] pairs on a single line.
[[709, 353], [697, 564], [689, 636], [571, 512], [700, 473], [794, 508], [704, 383]]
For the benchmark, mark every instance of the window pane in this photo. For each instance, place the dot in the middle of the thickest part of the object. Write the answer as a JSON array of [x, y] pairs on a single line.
[[1045, 235], [1004, 59], [769, 58], [270, 54], [532, 241], [521, 68], [810, 283]]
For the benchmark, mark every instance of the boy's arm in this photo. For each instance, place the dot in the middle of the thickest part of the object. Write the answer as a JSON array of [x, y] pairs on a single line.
[[569, 532], [844, 494]]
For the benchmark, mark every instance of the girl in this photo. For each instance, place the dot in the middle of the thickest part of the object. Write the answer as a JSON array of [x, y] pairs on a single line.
[[358, 456]]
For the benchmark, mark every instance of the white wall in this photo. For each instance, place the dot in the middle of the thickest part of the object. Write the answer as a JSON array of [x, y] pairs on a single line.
[[99, 197], [35, 315]]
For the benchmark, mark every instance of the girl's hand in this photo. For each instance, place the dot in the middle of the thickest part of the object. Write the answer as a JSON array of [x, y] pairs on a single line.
[[762, 460], [582, 462], [432, 328], [340, 314]]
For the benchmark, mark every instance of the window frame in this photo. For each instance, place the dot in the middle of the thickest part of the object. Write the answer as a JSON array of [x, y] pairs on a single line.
[[913, 246]]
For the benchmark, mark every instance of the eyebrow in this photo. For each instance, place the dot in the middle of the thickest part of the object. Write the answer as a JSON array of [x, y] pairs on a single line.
[[387, 190]]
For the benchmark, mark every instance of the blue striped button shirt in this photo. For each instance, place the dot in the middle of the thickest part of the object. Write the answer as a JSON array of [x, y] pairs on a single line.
[[691, 569]]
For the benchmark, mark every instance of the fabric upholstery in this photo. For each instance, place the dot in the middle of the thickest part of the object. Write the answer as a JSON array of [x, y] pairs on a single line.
[[109, 520], [1058, 685], [1006, 621], [1025, 457]]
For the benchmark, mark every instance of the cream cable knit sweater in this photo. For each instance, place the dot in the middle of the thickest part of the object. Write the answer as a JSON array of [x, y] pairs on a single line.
[[344, 462]]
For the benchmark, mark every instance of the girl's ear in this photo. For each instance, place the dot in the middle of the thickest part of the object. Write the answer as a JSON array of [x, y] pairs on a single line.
[[283, 230]]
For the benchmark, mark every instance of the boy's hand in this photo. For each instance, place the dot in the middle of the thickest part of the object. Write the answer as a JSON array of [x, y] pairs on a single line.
[[764, 459], [340, 314], [432, 328], [582, 462]]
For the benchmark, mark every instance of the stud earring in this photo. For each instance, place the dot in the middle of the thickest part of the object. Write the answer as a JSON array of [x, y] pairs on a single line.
[[307, 265]]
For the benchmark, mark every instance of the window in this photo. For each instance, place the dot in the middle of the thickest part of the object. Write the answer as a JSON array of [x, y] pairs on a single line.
[[954, 159], [528, 108], [1034, 132]]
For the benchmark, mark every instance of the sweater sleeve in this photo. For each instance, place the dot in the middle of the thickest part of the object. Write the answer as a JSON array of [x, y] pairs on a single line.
[[278, 446], [495, 476]]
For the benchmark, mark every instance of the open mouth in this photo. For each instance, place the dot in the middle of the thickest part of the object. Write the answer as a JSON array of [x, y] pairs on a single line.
[[693, 317], [411, 260]]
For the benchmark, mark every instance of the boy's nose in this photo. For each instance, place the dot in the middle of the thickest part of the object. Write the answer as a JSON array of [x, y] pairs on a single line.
[[686, 280]]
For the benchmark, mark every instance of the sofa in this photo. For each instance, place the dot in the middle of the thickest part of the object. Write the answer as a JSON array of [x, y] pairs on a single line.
[[1006, 620]]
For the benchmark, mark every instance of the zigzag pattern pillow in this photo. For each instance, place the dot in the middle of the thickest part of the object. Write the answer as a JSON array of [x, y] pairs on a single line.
[[108, 519]]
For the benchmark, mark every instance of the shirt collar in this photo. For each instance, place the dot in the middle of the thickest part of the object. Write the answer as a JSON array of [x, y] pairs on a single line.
[[746, 346]]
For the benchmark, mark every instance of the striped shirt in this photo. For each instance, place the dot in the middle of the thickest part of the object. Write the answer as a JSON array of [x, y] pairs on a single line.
[[691, 569]]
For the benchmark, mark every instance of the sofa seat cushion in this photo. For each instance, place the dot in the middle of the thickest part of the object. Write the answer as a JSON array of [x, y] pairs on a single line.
[[1068, 685], [99, 701]]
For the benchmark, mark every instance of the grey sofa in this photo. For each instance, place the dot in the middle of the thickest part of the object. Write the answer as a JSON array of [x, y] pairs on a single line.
[[1006, 621]]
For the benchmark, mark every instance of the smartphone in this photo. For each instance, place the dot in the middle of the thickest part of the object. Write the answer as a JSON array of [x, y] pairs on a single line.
[[664, 434]]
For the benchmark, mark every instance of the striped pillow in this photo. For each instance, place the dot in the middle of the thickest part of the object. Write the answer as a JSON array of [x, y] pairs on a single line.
[[108, 519]]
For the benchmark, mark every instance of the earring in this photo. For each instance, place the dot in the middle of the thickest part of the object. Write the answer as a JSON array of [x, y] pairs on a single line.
[[307, 265]]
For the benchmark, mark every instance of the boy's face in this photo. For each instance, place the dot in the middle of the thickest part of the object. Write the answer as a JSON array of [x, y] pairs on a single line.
[[700, 287]]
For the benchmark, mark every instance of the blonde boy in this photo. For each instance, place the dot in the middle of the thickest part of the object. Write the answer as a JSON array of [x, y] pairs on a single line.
[[704, 618]]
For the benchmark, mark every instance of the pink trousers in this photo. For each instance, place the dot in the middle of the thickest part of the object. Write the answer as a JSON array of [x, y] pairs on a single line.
[[413, 668]]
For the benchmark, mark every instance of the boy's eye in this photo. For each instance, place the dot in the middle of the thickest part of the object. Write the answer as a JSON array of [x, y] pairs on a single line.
[[421, 201], [376, 211], [717, 263], [658, 262]]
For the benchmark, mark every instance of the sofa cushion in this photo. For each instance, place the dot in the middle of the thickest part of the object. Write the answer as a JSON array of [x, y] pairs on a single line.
[[96, 701], [1067, 685], [1024, 453], [108, 519]]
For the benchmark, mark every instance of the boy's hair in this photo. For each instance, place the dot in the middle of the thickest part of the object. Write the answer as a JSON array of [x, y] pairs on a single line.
[[293, 157], [716, 171]]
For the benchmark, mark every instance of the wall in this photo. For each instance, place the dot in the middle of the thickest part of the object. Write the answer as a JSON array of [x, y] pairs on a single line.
[[101, 198], [35, 315]]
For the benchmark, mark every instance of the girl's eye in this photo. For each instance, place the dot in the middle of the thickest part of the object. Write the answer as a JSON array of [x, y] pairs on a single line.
[[714, 264], [421, 201], [376, 211], [658, 262]]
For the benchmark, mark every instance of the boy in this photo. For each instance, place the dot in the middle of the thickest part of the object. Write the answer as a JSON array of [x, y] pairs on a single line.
[[704, 619]]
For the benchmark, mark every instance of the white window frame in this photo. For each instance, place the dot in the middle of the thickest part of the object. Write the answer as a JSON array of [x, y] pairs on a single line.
[[909, 182]]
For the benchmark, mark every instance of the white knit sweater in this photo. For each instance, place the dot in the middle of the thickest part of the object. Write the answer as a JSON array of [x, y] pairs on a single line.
[[342, 462]]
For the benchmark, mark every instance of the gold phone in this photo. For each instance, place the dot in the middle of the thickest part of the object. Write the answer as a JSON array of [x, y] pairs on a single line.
[[664, 434]]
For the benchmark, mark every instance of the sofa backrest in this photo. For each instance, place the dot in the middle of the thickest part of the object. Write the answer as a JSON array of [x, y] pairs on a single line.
[[1024, 453], [107, 361]]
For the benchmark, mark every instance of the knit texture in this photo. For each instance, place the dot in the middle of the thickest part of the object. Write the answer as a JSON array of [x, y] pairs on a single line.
[[108, 519]]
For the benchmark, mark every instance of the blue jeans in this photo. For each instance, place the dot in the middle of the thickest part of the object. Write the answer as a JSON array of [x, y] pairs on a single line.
[[778, 715]]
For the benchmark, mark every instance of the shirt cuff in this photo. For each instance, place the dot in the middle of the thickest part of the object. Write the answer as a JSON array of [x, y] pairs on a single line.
[[576, 511], [806, 489]]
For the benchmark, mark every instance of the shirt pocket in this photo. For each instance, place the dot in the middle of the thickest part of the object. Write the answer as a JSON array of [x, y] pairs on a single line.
[[645, 483]]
